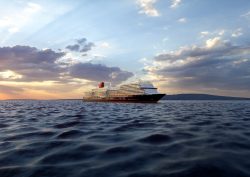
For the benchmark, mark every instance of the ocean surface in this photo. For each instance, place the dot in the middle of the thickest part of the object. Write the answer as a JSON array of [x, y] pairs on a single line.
[[168, 139]]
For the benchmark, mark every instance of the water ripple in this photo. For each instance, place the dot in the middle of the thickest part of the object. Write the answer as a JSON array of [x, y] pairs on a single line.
[[169, 139]]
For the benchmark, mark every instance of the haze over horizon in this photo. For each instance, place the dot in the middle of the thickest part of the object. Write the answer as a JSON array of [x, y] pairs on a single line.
[[59, 49]]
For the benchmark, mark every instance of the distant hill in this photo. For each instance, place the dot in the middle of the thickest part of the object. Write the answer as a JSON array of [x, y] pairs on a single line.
[[200, 97]]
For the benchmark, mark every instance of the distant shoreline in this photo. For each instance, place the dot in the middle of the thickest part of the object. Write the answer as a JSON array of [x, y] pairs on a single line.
[[201, 97]]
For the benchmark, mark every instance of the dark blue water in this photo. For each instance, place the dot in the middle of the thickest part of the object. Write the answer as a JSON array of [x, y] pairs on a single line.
[[172, 138]]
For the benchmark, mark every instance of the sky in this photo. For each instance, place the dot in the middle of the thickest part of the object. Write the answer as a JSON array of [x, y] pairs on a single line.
[[55, 49]]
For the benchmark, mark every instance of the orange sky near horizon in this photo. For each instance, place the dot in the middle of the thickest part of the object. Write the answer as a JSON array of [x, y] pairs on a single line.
[[77, 91]]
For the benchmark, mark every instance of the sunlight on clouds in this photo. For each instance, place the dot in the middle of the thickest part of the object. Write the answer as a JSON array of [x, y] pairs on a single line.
[[221, 32], [148, 7], [8, 74], [210, 43], [43, 90], [25, 84], [209, 68]]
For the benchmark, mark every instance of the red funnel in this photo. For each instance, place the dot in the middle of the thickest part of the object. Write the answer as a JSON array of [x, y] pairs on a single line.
[[101, 85]]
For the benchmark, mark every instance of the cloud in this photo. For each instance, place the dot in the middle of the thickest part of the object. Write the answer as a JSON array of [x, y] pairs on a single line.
[[81, 46], [87, 47], [210, 43], [10, 75], [246, 15], [81, 41], [31, 63], [98, 72], [45, 74], [182, 20], [212, 33], [221, 32], [74, 47], [147, 7], [204, 33], [175, 3], [237, 33], [216, 65]]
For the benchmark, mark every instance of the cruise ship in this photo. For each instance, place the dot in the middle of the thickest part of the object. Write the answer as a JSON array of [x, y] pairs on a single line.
[[137, 92]]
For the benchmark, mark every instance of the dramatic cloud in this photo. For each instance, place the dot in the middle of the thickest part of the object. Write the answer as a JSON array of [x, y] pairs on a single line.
[[81, 46], [27, 64], [31, 63], [148, 8], [218, 65], [98, 72]]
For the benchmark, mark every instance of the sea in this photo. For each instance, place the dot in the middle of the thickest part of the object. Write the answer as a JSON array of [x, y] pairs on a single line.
[[71, 138]]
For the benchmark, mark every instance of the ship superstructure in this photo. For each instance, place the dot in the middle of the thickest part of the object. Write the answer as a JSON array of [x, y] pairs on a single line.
[[132, 92]]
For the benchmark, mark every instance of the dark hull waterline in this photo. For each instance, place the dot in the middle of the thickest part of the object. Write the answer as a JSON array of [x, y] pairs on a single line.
[[129, 99]]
